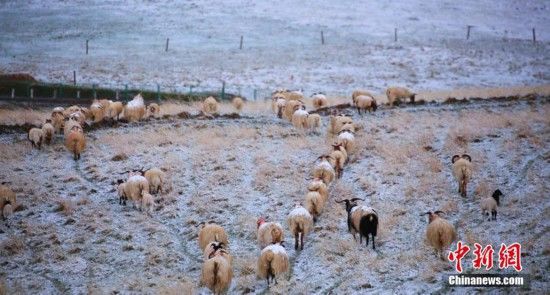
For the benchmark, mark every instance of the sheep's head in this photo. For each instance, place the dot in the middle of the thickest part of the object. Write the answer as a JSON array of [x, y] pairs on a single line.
[[432, 215], [350, 203], [413, 97], [260, 221], [455, 158], [375, 105], [337, 146], [325, 158], [496, 196], [467, 157], [48, 120]]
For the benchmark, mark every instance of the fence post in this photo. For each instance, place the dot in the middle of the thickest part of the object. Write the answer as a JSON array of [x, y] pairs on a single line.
[[13, 93], [32, 93], [74, 78], [322, 38], [395, 34], [190, 89], [468, 32], [222, 96], [534, 36], [255, 94], [241, 45], [116, 95], [55, 93], [126, 92], [158, 93], [167, 41], [87, 46], [78, 94], [93, 91]]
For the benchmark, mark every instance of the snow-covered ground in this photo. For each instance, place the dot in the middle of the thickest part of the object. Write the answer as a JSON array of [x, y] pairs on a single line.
[[281, 43]]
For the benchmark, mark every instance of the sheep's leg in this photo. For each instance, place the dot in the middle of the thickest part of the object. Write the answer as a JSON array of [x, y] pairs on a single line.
[[360, 238], [373, 246], [367, 239], [296, 241], [494, 214], [302, 241]]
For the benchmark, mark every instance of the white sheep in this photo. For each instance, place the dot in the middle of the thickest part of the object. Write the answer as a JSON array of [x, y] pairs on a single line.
[[347, 139], [314, 203], [317, 185], [397, 93], [135, 109], [36, 136], [98, 109], [273, 262], [156, 178], [7, 197], [300, 223], [357, 93], [323, 169], [58, 119], [489, 205], [211, 232], [338, 159], [147, 202], [290, 107], [313, 122], [299, 117], [319, 100], [366, 103], [217, 272], [336, 123], [115, 109], [154, 110], [237, 103], [48, 131], [134, 187], [210, 105], [268, 232], [75, 141], [462, 171], [440, 233]]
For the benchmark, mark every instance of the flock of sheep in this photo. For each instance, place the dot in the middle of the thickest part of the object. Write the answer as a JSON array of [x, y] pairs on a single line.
[[273, 259]]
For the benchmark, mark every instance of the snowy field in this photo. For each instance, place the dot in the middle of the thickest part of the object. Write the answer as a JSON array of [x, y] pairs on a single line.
[[282, 44]]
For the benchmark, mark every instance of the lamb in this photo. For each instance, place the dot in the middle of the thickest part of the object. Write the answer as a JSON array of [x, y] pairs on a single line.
[[299, 117], [347, 140], [36, 136], [147, 202], [313, 122], [154, 110], [114, 110], [134, 187], [7, 197], [315, 203], [366, 103], [273, 262], [337, 122], [75, 142], [319, 100], [300, 223], [217, 272], [397, 93], [211, 232], [237, 103], [462, 171], [362, 220], [58, 119], [156, 179], [338, 158], [440, 233], [490, 204], [268, 232], [317, 185], [290, 107], [135, 109], [48, 131], [210, 105], [324, 169]]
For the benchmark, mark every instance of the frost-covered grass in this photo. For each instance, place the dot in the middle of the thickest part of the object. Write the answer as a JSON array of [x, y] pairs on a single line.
[[78, 239]]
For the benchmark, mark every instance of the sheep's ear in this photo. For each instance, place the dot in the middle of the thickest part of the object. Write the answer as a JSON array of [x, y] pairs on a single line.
[[467, 157], [455, 157]]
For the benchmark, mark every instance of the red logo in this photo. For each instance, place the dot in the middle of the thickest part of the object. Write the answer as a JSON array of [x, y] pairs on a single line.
[[457, 255], [508, 256], [483, 257]]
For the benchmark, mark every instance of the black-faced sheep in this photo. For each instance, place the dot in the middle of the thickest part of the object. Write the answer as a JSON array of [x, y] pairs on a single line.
[[489, 205], [440, 233], [75, 142], [362, 220], [397, 93], [300, 223], [7, 197], [272, 263], [217, 272], [211, 232], [36, 136], [462, 171], [365, 103], [319, 100], [268, 232]]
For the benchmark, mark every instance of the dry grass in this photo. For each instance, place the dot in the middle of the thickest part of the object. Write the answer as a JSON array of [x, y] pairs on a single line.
[[13, 245]]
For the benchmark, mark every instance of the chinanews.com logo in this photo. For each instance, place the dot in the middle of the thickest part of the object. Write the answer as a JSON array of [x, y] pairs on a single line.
[[508, 257]]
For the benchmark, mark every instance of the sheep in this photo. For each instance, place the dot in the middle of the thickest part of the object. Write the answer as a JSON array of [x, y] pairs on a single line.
[[121, 190], [7, 211], [156, 178], [439, 233], [319, 100], [135, 109], [348, 127], [69, 125], [273, 262], [268, 232], [75, 142], [72, 109], [336, 123], [462, 171], [362, 220], [290, 107], [291, 95], [317, 185], [237, 103], [98, 109], [338, 158], [313, 122], [147, 202], [324, 169], [357, 93], [300, 223], [7, 197], [366, 103], [299, 117], [210, 105], [154, 110], [347, 139], [134, 187], [213, 247], [36, 136], [211, 232], [397, 93], [315, 204], [78, 116], [58, 119], [279, 104], [48, 131], [114, 110], [217, 272], [490, 204]]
